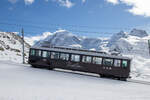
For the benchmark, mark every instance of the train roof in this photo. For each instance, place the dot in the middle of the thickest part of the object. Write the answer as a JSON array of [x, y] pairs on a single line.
[[81, 51]]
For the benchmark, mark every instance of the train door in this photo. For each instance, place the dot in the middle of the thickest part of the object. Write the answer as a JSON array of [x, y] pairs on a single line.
[[38, 56], [125, 68], [45, 58], [107, 66], [97, 64], [117, 67]]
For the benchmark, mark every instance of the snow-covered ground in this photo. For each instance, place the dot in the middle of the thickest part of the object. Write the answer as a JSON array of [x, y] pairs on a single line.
[[21, 82], [140, 67]]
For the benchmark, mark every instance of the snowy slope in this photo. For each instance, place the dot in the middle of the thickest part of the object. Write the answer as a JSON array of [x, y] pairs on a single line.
[[11, 47], [21, 82]]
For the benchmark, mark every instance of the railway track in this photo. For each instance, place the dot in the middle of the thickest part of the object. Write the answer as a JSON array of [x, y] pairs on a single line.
[[138, 81]]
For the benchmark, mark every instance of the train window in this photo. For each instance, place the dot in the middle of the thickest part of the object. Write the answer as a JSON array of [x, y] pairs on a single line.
[[117, 63], [75, 58], [54, 55], [108, 62], [86, 59], [97, 60], [45, 54], [38, 52], [124, 63], [32, 52], [64, 56]]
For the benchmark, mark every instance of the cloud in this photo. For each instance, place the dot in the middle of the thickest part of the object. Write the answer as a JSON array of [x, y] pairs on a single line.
[[28, 2], [83, 1], [13, 1], [65, 3], [31, 40], [113, 1], [138, 7]]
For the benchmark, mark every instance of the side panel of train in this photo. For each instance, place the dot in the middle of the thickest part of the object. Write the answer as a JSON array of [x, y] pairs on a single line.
[[93, 64]]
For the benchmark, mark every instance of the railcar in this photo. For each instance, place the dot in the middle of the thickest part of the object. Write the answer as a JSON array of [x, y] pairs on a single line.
[[105, 65]]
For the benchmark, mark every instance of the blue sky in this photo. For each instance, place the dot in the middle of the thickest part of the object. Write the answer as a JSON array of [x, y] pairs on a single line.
[[101, 16]]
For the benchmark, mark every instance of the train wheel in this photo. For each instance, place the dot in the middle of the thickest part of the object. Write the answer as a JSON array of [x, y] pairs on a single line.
[[33, 66], [50, 68], [102, 75], [123, 79]]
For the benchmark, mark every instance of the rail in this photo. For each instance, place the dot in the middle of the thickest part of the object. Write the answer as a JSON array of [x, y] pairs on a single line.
[[138, 81]]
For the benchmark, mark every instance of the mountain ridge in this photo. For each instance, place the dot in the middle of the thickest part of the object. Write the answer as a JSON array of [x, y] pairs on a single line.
[[11, 47]]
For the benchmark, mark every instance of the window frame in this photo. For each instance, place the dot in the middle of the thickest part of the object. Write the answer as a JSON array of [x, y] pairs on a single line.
[[31, 53], [51, 54], [85, 59], [79, 57], [108, 59], [66, 56], [126, 64], [38, 54], [46, 54], [96, 60], [117, 63]]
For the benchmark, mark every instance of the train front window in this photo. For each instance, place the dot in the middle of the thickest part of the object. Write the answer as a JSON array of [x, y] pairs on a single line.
[[32, 52], [64, 56], [45, 54], [124, 63], [86, 59], [117, 63], [97, 60], [38, 53], [108, 62], [54, 55], [75, 58]]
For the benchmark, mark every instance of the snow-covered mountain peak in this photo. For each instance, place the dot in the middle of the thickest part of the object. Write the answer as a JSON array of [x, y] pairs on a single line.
[[67, 39], [60, 38], [63, 32], [119, 35], [116, 37], [138, 33]]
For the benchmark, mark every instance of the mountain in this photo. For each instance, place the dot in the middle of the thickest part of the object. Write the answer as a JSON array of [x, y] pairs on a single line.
[[67, 39], [60, 38], [138, 33], [116, 37], [135, 42], [134, 45], [11, 47]]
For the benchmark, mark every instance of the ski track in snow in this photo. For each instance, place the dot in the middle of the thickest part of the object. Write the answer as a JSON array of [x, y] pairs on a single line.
[[21, 82]]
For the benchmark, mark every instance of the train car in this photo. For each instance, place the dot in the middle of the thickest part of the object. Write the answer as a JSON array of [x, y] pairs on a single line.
[[81, 60]]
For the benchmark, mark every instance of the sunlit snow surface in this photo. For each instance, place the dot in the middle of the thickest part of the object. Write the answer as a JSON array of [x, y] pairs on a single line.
[[21, 82]]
